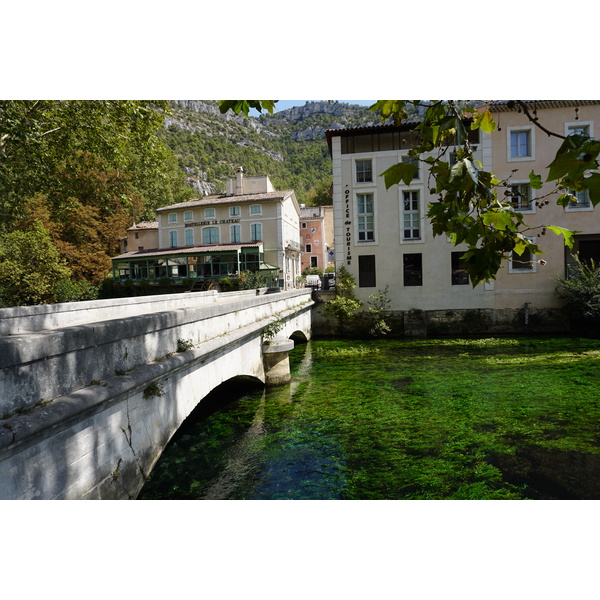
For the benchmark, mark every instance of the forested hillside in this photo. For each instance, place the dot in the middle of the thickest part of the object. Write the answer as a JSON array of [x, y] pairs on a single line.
[[289, 145]]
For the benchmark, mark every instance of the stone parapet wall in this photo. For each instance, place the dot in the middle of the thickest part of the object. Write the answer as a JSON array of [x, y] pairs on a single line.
[[36, 367]]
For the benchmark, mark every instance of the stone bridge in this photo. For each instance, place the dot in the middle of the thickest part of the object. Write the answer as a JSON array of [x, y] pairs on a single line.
[[91, 392]]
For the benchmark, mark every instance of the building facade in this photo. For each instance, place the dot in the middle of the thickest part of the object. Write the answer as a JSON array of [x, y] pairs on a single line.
[[383, 238], [252, 227], [316, 237]]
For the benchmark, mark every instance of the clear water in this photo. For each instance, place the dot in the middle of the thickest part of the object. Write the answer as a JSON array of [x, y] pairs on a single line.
[[385, 419]]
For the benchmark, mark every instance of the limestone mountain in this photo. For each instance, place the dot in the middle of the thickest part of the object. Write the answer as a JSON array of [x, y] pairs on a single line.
[[289, 145]]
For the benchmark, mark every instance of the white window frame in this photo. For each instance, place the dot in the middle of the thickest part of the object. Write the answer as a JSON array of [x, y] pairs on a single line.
[[252, 237], [233, 237], [210, 213], [572, 207], [533, 269], [172, 218], [235, 211], [366, 215], [531, 198], [190, 217], [578, 124], [516, 129], [253, 212], [421, 238], [308, 248], [173, 234], [355, 170], [204, 229], [188, 236]]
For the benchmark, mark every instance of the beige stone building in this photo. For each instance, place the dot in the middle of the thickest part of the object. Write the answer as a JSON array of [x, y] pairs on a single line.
[[316, 237], [252, 227], [384, 239]]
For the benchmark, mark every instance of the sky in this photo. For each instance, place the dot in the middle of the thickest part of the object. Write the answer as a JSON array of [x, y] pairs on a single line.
[[284, 104]]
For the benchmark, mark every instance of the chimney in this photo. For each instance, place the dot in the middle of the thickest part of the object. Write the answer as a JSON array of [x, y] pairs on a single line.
[[239, 182]]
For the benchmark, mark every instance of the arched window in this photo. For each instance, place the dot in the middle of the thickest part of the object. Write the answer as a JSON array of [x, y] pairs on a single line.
[[189, 237], [172, 239]]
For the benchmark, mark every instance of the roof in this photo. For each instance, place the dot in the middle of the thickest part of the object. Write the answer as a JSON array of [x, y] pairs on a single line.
[[144, 225], [197, 249], [223, 199], [508, 105]]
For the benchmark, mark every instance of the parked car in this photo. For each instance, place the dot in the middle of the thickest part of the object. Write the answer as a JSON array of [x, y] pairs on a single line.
[[313, 281]]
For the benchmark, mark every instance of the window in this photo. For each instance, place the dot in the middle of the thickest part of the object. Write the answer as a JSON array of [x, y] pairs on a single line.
[[308, 248], [303, 225], [523, 263], [256, 232], [366, 271], [314, 262], [189, 237], [365, 217], [413, 269], [234, 211], [364, 171], [521, 197], [236, 233], [172, 239], [459, 273], [412, 160], [256, 209], [209, 213], [188, 215], [582, 200], [520, 143], [173, 218], [137, 236], [411, 215], [210, 235], [578, 128]]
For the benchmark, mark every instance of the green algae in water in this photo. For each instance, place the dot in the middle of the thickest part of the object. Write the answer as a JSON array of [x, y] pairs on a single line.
[[389, 419]]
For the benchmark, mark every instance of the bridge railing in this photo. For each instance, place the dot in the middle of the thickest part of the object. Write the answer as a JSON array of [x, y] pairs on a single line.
[[27, 319]]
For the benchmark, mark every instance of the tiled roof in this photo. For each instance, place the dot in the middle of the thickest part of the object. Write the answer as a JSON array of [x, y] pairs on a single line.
[[197, 249], [144, 225], [223, 199], [506, 105]]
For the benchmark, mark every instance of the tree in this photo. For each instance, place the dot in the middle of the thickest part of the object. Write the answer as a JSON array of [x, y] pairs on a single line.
[[37, 136], [468, 208], [30, 267]]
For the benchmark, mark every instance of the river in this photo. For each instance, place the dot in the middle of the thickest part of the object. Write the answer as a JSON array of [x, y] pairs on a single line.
[[398, 419]]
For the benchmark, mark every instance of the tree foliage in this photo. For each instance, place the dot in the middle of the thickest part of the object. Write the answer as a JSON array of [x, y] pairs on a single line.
[[30, 267], [85, 170]]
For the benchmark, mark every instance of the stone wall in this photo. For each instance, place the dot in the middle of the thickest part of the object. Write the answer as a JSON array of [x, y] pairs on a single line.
[[443, 323]]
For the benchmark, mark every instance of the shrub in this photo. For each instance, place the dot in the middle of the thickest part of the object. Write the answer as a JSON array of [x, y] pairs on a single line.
[[580, 289]]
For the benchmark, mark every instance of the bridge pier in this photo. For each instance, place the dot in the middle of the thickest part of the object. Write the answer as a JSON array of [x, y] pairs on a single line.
[[276, 361]]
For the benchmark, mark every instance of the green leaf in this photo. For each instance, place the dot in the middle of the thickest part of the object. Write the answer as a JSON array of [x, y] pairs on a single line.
[[535, 181], [399, 172], [498, 219], [568, 235], [592, 184], [483, 121]]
